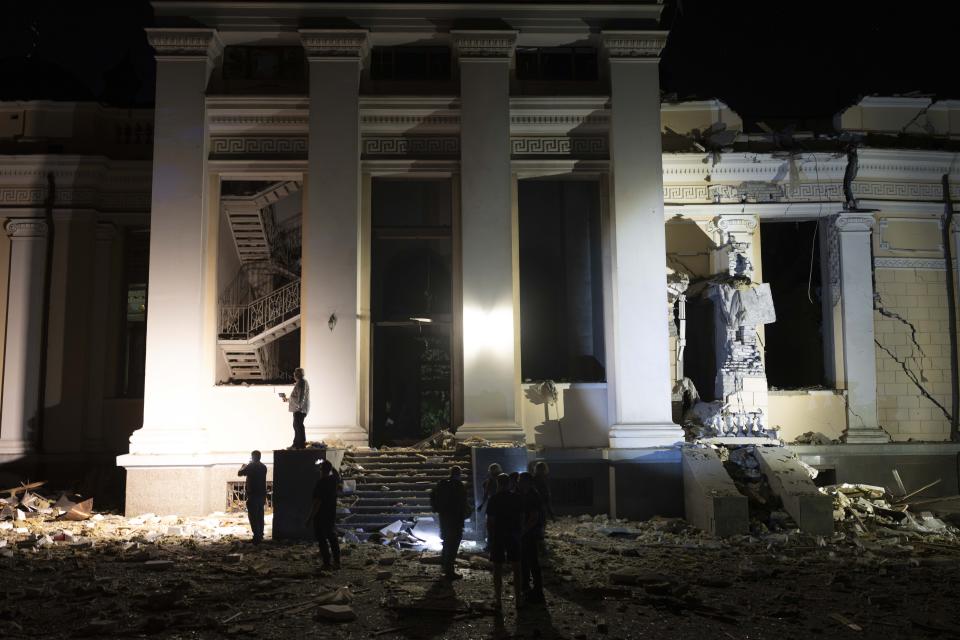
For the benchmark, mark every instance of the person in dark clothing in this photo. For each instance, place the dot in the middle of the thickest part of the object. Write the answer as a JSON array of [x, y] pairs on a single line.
[[324, 515], [489, 488], [504, 525], [533, 523], [449, 500], [256, 490], [541, 481]]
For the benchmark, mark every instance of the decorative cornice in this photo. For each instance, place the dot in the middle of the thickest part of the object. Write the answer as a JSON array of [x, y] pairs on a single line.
[[928, 264], [429, 146], [634, 45], [26, 228], [334, 44], [573, 146], [853, 222], [249, 146], [184, 44], [485, 45], [726, 224]]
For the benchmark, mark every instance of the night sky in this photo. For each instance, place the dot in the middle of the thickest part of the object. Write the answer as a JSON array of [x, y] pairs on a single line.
[[775, 61]]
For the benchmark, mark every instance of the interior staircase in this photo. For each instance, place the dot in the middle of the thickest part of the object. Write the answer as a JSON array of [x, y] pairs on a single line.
[[395, 485], [244, 329], [247, 222]]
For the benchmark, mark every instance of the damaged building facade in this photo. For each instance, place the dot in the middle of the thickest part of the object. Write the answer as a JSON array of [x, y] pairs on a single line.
[[435, 210]]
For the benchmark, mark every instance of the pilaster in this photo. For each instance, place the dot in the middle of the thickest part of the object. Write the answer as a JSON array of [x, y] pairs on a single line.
[[639, 380], [859, 352], [100, 310], [22, 351], [491, 375], [330, 266]]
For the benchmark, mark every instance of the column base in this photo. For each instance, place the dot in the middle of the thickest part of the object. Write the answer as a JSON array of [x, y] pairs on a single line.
[[874, 435], [644, 436], [347, 434], [492, 431], [15, 447]]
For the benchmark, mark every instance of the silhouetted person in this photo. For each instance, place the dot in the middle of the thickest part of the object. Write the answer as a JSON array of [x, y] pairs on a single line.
[[449, 500], [299, 405], [541, 480], [324, 516], [490, 483], [256, 490], [504, 526], [514, 480], [533, 523]]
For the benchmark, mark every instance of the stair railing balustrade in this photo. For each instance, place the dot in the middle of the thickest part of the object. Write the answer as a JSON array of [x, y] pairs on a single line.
[[243, 322]]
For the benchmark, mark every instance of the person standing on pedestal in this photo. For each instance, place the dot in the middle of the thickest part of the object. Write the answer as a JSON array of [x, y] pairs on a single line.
[[299, 405], [256, 490]]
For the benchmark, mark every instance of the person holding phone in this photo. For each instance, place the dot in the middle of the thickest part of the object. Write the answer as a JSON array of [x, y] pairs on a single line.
[[256, 490], [299, 405]]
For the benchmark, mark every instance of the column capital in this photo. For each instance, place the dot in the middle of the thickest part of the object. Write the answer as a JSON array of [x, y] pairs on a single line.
[[484, 44], [334, 44], [853, 222], [184, 44], [740, 226], [634, 45], [26, 228]]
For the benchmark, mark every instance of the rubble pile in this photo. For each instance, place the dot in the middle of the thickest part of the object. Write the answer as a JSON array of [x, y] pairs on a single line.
[[871, 517]]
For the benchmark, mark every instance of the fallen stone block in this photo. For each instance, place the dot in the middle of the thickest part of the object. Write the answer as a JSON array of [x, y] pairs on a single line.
[[711, 500], [233, 558], [335, 613], [158, 565], [790, 481]]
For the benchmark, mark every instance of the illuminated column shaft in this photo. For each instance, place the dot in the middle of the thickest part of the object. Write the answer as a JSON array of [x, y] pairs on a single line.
[[490, 351], [859, 352], [21, 366], [640, 384], [329, 310], [174, 381]]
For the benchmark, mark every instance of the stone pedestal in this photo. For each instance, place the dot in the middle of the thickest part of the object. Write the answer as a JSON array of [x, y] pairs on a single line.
[[638, 356], [175, 376], [329, 304], [22, 349], [491, 377], [859, 351]]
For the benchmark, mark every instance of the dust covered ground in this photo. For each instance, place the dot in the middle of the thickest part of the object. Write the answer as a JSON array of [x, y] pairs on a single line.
[[604, 579]]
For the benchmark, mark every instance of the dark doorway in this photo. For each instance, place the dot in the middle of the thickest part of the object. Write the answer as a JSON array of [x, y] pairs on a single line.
[[794, 343], [561, 281], [411, 310]]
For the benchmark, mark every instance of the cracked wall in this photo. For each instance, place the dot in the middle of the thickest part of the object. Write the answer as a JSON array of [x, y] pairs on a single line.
[[919, 297]]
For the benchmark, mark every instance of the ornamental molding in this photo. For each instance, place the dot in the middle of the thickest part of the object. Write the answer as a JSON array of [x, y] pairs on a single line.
[[484, 45], [577, 146], [26, 228], [888, 244], [634, 45], [334, 44], [726, 224], [852, 222], [247, 146], [430, 146], [928, 264], [184, 43]]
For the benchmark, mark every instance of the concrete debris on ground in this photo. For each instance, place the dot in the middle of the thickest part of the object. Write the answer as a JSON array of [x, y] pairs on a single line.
[[168, 576]]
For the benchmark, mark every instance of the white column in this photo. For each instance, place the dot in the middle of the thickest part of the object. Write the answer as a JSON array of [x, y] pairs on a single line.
[[639, 359], [329, 304], [21, 362], [859, 351], [176, 305], [101, 307], [491, 377]]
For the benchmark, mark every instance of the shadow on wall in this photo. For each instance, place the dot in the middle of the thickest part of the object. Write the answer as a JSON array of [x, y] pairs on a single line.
[[577, 419]]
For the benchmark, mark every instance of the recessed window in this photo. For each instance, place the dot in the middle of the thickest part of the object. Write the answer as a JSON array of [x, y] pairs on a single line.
[[410, 63], [263, 67], [551, 64]]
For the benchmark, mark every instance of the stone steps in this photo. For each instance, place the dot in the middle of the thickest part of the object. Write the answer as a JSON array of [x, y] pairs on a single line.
[[385, 479]]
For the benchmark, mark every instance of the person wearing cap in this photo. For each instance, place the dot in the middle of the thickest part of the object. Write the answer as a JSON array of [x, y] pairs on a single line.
[[324, 516], [256, 492]]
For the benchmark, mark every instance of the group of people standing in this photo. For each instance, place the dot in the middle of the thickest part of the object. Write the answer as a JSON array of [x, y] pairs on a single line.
[[516, 507]]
